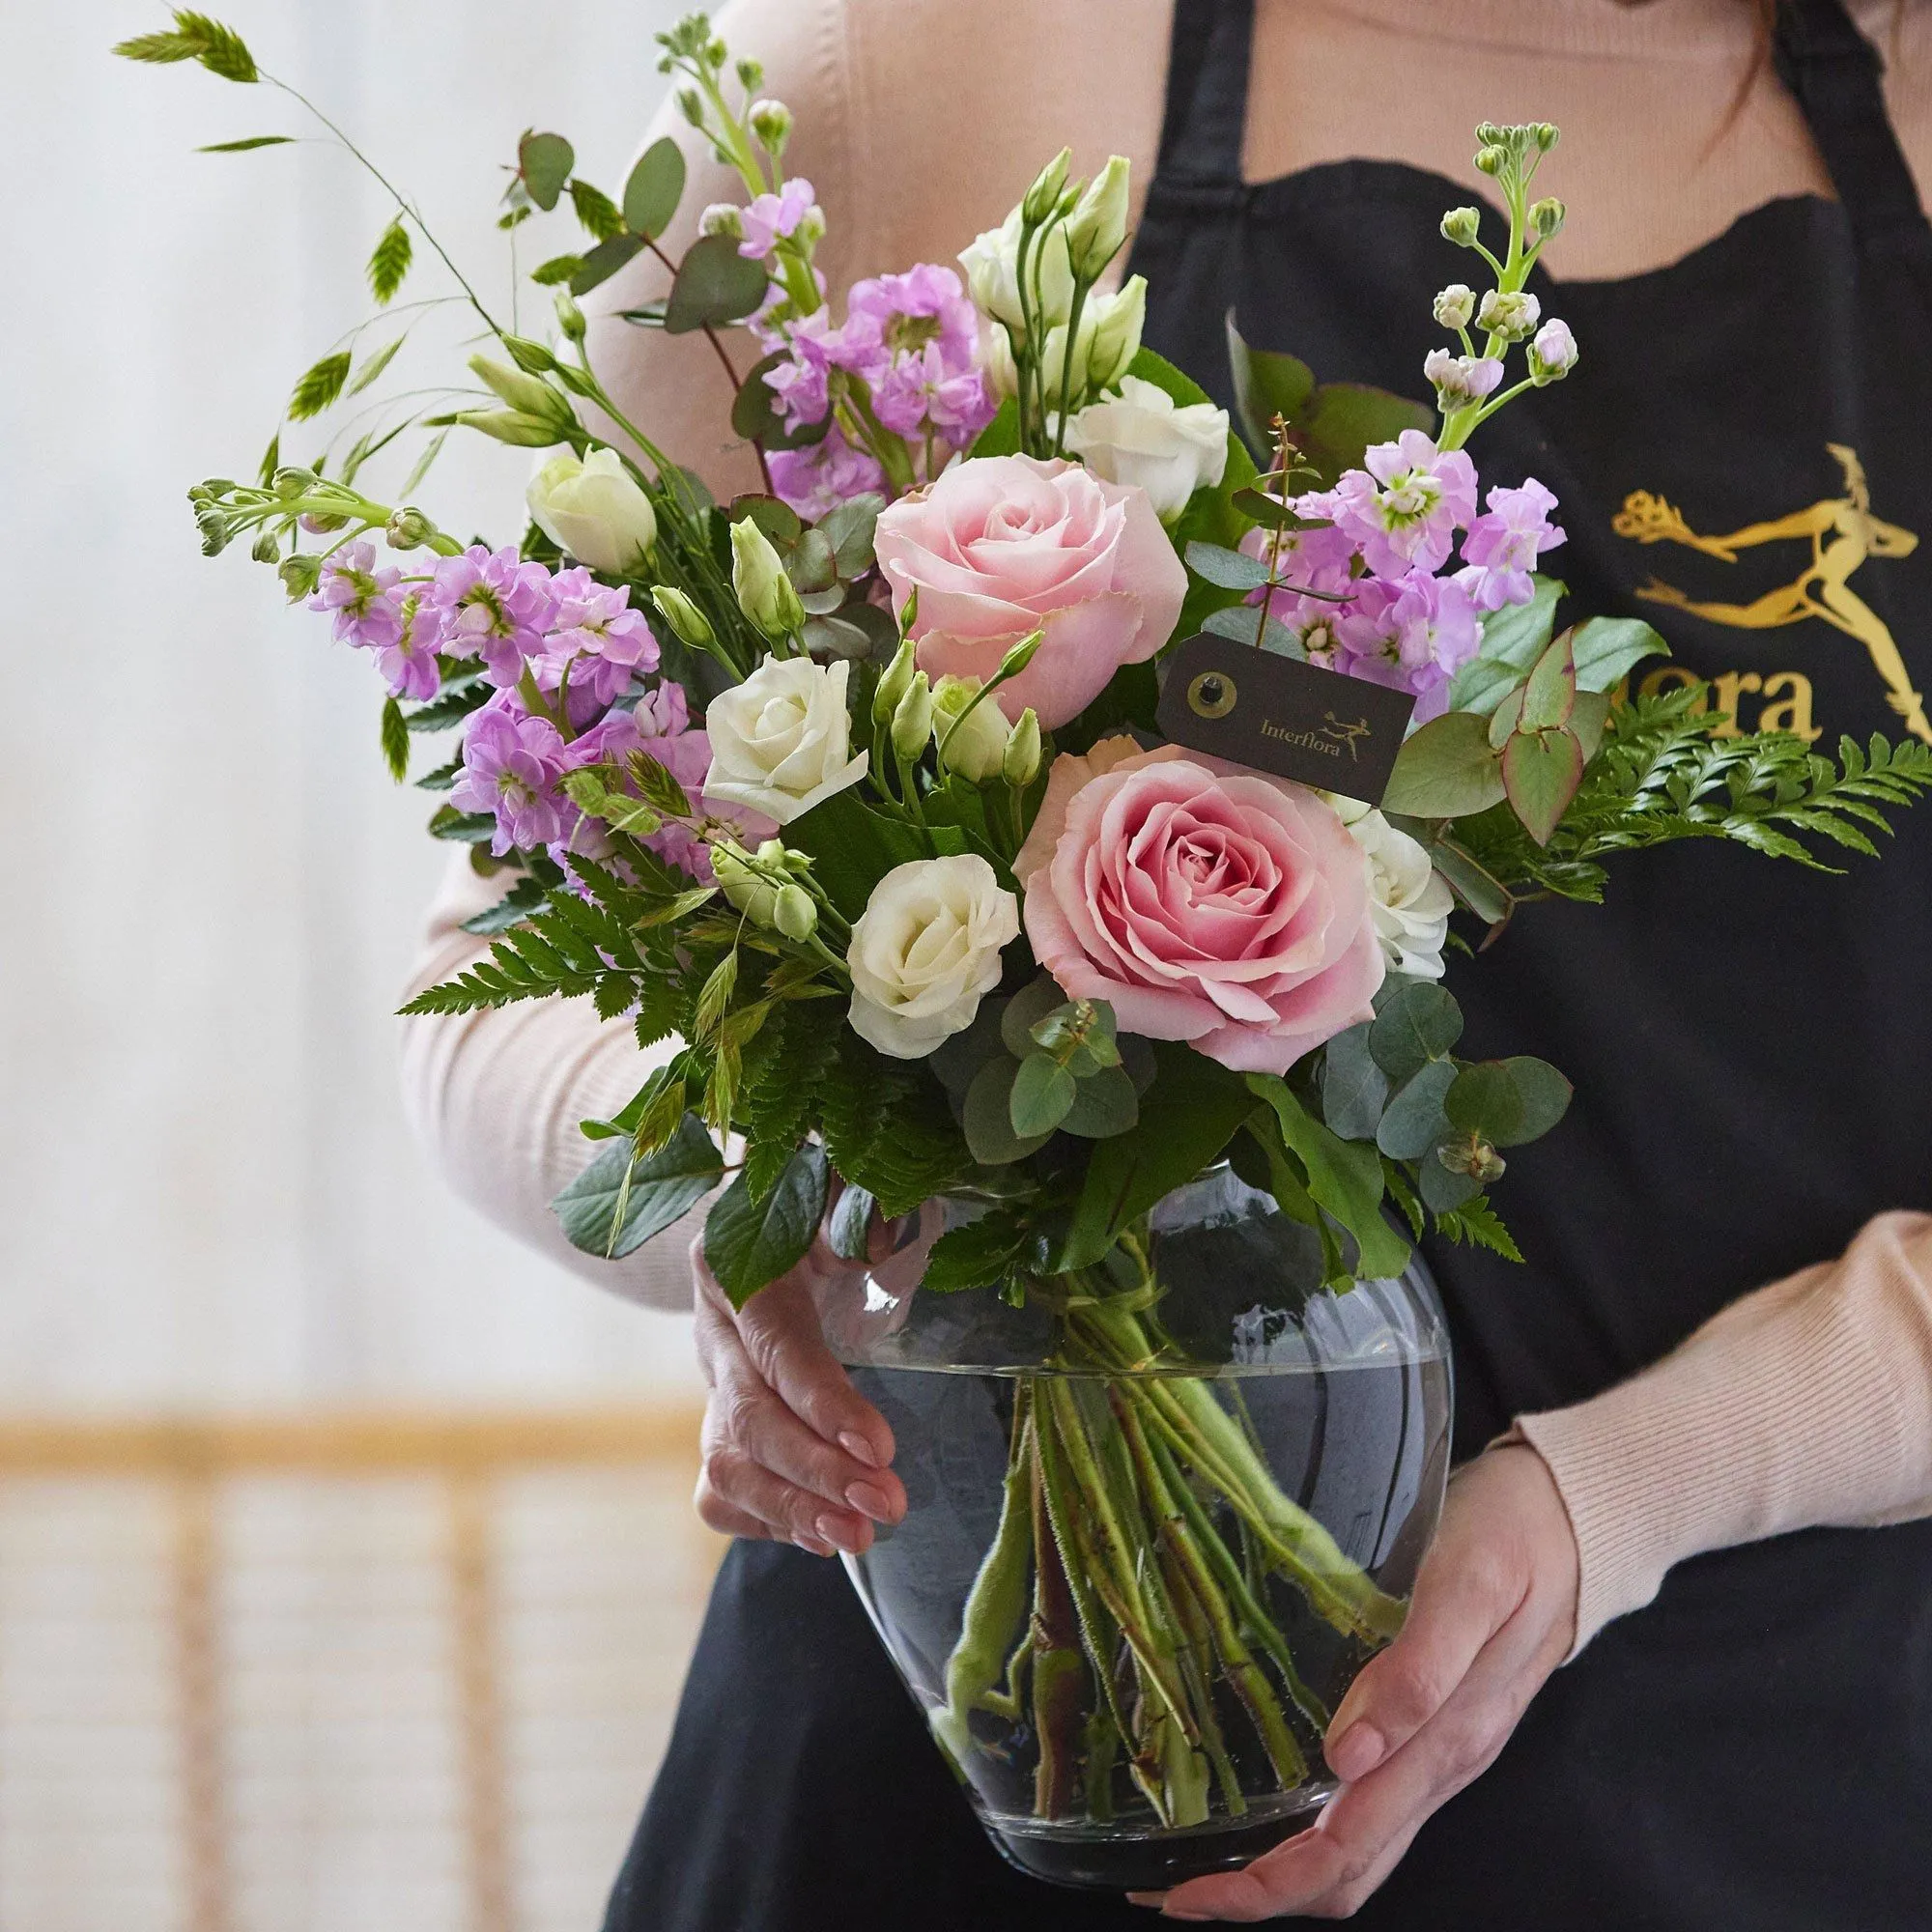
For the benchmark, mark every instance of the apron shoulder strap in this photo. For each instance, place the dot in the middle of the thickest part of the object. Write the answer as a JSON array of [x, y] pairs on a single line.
[[1833, 72], [1207, 111]]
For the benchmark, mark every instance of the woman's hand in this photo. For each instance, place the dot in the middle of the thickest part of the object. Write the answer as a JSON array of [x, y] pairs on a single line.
[[1495, 1613], [790, 1449]]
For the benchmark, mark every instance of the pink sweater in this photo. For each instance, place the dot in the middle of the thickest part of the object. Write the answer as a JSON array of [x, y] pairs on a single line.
[[1807, 1402]]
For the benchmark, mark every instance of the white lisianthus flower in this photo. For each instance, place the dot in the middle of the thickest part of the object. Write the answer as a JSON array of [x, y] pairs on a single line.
[[926, 950], [992, 275], [1410, 900], [781, 741], [594, 511], [1143, 438]]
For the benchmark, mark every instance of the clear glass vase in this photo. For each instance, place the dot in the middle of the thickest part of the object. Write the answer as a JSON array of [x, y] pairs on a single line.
[[1160, 1515]]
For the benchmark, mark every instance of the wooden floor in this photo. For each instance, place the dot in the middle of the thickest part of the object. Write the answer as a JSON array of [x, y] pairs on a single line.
[[337, 1672]]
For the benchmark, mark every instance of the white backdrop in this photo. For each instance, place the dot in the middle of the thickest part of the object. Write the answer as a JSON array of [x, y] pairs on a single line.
[[207, 1190]]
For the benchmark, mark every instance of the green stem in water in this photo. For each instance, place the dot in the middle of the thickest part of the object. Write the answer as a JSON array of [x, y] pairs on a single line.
[[1059, 1670]]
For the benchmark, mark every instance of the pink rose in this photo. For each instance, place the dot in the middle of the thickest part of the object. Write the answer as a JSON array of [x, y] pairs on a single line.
[[1003, 546], [1207, 903]]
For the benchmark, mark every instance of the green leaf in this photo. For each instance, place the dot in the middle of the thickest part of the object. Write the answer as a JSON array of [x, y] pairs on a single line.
[[1444, 1188], [320, 387], [849, 528], [654, 190], [1354, 1089], [1187, 1118], [464, 827], [1448, 769], [1229, 569], [976, 1253], [1550, 695], [1001, 435], [713, 284], [372, 370], [1514, 638], [423, 465], [986, 1117], [1482, 1100], [1415, 1121], [1418, 1023], [391, 262], [1104, 1104], [596, 211], [619, 1203], [526, 897], [1478, 888], [1244, 622], [1345, 1178], [1545, 1096], [1344, 419], [1607, 648], [1476, 1222], [1268, 383], [246, 147], [544, 161], [559, 268], [1034, 1003], [750, 1244], [395, 740], [1042, 1095], [603, 262], [853, 847], [1542, 771], [887, 1123], [848, 1229]]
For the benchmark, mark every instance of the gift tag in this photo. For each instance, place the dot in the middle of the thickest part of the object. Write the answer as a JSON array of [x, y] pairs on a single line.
[[1284, 716]]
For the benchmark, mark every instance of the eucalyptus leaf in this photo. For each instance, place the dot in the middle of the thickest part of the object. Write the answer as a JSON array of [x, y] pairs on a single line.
[[986, 1118], [1104, 1103], [1420, 1022], [848, 527], [1243, 622], [1448, 769], [545, 161], [1514, 638], [1042, 1095], [1229, 569], [1607, 649], [1545, 1094], [654, 190], [1445, 1187], [1484, 1100], [715, 284], [1415, 1120], [603, 262], [750, 1244], [1550, 695], [1025, 1011], [1354, 1089], [1541, 772]]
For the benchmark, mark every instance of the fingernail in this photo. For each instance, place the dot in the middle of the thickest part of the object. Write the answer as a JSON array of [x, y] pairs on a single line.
[[812, 1545], [1355, 1752], [1153, 1900], [855, 1446], [871, 1502], [834, 1532]]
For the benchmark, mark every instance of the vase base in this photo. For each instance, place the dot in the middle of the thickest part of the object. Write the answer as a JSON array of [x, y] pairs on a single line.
[[1104, 1857]]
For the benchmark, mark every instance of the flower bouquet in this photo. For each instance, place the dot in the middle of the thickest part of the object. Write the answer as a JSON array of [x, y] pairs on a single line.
[[1028, 830]]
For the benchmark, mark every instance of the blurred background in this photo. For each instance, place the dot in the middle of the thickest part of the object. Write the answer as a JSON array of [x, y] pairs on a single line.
[[347, 1572]]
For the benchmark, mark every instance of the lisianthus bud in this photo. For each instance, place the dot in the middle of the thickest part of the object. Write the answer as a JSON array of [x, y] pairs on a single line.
[[1118, 320], [722, 217], [971, 734], [1460, 226], [894, 682], [740, 879], [1021, 655], [912, 720], [524, 393], [685, 618], [1552, 353], [770, 122], [992, 275], [1040, 198], [1456, 305], [1098, 223], [408, 529], [1510, 316], [1547, 217], [795, 913], [765, 593], [1021, 763], [570, 318], [594, 510], [532, 357]]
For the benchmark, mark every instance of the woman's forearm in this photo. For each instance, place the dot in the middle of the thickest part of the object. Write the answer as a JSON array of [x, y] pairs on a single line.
[[1805, 1403]]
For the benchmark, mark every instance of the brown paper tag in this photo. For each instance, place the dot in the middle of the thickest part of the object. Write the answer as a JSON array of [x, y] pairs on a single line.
[[1281, 715]]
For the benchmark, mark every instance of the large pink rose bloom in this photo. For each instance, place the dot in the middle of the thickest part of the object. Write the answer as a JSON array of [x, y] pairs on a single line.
[[1003, 546], [1207, 903]]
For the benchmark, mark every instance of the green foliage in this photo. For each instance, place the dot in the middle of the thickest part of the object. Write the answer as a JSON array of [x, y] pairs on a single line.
[[596, 211], [1343, 1177], [247, 146], [395, 740], [543, 164], [391, 262], [654, 188], [713, 284], [1477, 1224], [750, 1242], [888, 1127], [526, 897], [565, 950], [220, 49], [784, 1069], [621, 1200], [319, 386], [998, 1248]]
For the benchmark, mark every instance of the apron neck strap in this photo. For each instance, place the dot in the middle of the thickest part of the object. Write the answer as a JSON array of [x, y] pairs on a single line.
[[1207, 113], [1833, 72]]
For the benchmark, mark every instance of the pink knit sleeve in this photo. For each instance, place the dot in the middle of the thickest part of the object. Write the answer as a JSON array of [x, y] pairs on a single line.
[[1805, 1403]]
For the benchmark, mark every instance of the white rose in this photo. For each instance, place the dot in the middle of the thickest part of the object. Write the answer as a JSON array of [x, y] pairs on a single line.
[[594, 511], [1411, 902], [782, 740], [1144, 438], [926, 950], [992, 279]]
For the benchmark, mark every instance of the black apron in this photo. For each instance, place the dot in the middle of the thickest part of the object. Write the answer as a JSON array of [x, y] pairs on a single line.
[[1749, 1043]]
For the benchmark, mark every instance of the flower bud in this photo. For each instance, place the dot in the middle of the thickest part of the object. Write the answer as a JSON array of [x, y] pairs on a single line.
[[1510, 316], [300, 574], [740, 878], [894, 682], [691, 104], [686, 621], [1455, 305], [570, 318], [795, 913], [1552, 353], [750, 74], [722, 217], [1545, 133], [532, 357], [811, 229], [972, 731], [1492, 161], [764, 592], [1021, 764], [1098, 223], [1021, 655], [1461, 379], [770, 122], [524, 394], [291, 481], [1118, 320], [1488, 133], [595, 510], [912, 720], [408, 529], [267, 549], [1547, 217], [1045, 193], [1460, 226], [320, 525]]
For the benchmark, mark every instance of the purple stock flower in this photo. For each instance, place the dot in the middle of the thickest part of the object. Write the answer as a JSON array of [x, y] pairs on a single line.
[[1320, 560], [411, 659], [1499, 552], [495, 606], [771, 217], [922, 389], [1413, 632], [359, 595], [598, 635], [827, 474], [1403, 509], [511, 762]]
